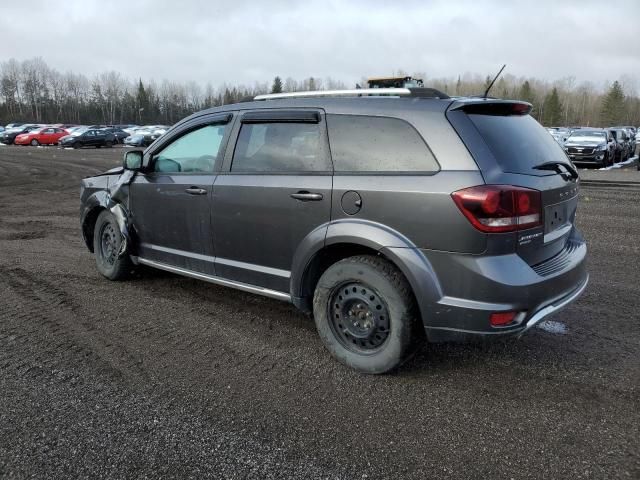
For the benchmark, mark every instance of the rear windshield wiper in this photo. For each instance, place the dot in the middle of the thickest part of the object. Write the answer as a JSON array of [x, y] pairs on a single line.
[[555, 166]]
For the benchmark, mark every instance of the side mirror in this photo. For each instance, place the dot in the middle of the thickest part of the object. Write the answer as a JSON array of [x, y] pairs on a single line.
[[132, 160]]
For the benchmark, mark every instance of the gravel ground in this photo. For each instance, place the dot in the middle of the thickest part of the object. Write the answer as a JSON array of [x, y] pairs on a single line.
[[164, 376]]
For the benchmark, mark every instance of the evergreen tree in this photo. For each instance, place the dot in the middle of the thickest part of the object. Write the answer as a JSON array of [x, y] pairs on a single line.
[[277, 85], [487, 82], [459, 86], [552, 108], [526, 93], [613, 106], [228, 97], [142, 101], [312, 84]]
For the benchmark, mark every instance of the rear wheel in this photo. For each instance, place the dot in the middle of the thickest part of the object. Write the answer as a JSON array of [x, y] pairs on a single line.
[[35, 143], [365, 314], [107, 245], [108, 144]]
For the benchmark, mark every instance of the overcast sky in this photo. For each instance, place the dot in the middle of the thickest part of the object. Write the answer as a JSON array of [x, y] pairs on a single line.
[[241, 41]]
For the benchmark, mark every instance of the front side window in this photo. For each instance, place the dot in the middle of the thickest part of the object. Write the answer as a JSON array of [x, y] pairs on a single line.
[[377, 144], [193, 152], [280, 148]]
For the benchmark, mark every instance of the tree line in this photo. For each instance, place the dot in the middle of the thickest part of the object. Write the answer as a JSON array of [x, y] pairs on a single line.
[[32, 91]]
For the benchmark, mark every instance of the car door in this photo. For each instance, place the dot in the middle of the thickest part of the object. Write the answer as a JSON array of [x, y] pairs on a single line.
[[274, 189], [100, 138], [170, 199], [88, 138], [46, 136]]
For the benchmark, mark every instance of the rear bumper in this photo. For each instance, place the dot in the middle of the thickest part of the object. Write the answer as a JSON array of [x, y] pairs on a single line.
[[474, 287], [555, 307]]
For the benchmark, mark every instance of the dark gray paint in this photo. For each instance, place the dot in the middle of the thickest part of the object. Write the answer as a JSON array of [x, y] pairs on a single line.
[[249, 232]]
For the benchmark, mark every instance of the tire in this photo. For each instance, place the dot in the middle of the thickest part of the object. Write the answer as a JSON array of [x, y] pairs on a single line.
[[76, 145], [375, 298], [107, 242], [108, 144], [35, 143]]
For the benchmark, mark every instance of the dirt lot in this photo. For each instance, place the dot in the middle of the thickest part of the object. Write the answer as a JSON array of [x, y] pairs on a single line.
[[166, 376]]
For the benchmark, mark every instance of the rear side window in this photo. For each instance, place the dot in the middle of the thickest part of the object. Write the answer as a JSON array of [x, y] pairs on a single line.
[[518, 142], [377, 144], [280, 148]]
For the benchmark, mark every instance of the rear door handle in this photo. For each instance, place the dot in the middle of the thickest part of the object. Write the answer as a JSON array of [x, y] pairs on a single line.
[[305, 196], [196, 191]]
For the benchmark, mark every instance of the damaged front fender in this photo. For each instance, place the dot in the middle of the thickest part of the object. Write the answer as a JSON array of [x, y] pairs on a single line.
[[108, 193]]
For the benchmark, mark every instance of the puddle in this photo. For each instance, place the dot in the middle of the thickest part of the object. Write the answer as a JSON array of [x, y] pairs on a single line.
[[550, 326]]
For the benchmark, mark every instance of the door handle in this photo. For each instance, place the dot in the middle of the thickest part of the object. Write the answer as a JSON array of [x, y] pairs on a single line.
[[196, 191], [305, 196]]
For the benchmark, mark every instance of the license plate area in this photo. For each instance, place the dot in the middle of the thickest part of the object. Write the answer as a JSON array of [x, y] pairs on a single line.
[[556, 216]]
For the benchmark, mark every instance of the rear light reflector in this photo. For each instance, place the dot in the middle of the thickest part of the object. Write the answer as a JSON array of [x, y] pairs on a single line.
[[500, 208], [502, 319]]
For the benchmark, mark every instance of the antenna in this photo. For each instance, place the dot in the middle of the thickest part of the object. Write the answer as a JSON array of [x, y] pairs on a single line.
[[486, 92]]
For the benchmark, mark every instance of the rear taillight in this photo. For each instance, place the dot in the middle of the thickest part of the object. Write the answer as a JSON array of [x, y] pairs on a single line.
[[500, 208]]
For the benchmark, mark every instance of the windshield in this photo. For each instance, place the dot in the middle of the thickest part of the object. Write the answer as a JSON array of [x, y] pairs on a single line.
[[587, 137], [518, 142], [78, 131]]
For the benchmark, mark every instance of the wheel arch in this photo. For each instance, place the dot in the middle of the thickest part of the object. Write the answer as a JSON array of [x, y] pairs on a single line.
[[347, 238], [94, 206]]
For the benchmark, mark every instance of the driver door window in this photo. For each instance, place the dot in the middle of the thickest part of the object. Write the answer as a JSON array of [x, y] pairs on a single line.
[[194, 152]]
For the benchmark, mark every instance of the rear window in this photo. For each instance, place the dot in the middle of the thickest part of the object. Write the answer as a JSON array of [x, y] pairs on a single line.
[[377, 144], [518, 143]]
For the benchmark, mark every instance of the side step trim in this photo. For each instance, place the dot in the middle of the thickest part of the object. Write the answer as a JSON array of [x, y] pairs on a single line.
[[245, 287]]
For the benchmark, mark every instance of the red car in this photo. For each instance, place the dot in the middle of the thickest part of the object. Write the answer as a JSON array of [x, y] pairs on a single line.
[[41, 136]]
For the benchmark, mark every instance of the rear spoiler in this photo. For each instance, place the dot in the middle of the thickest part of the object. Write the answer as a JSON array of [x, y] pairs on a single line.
[[491, 107]]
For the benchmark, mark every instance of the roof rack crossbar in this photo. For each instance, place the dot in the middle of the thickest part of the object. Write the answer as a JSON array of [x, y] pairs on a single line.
[[332, 93]]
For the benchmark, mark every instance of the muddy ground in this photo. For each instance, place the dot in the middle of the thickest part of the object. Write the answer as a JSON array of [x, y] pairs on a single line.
[[164, 376]]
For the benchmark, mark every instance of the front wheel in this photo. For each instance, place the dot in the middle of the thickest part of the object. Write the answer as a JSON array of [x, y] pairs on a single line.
[[107, 245], [108, 144], [34, 143], [365, 314]]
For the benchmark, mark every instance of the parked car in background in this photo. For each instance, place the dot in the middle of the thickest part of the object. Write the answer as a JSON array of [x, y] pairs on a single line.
[[92, 137], [625, 149], [594, 146], [118, 133], [41, 136], [127, 127], [621, 148], [145, 136], [10, 134], [559, 134], [632, 138], [77, 130], [14, 125], [135, 140], [1, 129]]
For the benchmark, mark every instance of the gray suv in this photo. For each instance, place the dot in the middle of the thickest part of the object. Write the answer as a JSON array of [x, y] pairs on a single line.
[[391, 217]]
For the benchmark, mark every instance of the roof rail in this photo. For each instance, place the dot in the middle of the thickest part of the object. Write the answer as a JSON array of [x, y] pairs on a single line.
[[332, 93]]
